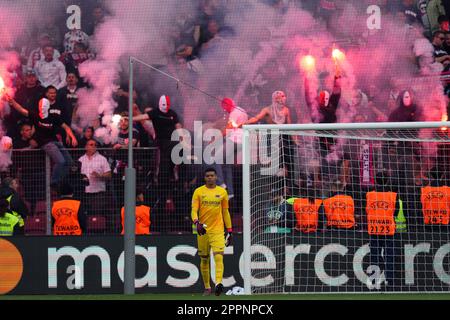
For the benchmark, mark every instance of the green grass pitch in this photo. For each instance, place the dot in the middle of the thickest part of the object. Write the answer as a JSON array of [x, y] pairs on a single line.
[[381, 296]]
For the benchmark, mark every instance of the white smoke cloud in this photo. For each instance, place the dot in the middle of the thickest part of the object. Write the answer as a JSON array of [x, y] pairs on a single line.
[[260, 56]]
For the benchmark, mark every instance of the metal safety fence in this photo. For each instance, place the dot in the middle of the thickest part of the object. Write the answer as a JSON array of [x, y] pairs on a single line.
[[167, 189]]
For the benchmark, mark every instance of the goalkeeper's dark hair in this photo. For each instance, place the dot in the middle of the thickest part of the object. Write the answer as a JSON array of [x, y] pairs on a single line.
[[210, 169]]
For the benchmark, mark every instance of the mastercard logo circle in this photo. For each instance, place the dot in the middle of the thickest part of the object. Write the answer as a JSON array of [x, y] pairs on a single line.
[[11, 266]]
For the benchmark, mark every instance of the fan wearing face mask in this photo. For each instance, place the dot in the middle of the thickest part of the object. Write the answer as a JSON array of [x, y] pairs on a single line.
[[47, 122], [406, 154], [327, 102], [231, 147], [278, 113], [165, 121], [406, 110]]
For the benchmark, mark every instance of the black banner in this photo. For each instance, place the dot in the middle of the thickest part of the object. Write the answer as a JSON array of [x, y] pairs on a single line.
[[325, 262]]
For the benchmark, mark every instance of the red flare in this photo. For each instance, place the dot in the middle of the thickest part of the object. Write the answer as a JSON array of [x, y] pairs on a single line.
[[444, 118], [2, 87], [338, 55], [308, 63]]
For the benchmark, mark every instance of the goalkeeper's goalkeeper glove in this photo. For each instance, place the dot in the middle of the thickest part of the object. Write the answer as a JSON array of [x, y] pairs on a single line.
[[228, 237], [200, 227]]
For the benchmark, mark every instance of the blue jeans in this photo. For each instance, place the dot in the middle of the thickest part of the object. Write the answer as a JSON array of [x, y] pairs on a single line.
[[61, 160]]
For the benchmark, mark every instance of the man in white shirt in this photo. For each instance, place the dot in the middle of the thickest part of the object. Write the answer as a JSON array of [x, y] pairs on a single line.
[[51, 71], [38, 53], [97, 169], [5, 153], [232, 144]]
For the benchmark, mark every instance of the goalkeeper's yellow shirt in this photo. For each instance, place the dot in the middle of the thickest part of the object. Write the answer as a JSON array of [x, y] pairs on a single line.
[[207, 205]]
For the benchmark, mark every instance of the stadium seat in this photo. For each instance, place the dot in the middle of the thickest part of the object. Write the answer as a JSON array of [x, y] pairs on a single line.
[[96, 224], [35, 225]]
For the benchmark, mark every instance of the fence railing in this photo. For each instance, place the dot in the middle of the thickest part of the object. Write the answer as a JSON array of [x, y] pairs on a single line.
[[168, 194]]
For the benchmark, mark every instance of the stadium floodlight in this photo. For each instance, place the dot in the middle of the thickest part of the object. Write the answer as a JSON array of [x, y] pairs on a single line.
[[315, 220]]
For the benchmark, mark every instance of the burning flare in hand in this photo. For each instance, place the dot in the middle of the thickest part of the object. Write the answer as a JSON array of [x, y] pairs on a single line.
[[338, 56], [2, 87], [116, 119], [308, 63], [444, 118]]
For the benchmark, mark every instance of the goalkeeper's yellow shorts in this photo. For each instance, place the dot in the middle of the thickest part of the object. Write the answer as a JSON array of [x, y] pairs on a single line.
[[214, 241]]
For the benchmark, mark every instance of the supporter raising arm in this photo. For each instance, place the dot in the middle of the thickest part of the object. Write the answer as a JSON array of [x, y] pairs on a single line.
[[327, 103], [47, 121], [70, 137], [276, 113]]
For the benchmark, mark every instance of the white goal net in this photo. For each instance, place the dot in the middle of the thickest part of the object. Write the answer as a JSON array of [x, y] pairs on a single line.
[[360, 207]]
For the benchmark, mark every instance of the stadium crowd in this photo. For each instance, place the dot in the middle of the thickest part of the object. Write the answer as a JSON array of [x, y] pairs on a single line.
[[93, 165]]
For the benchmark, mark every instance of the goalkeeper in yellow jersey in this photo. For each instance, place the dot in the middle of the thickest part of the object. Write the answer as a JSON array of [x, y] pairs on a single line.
[[211, 216]]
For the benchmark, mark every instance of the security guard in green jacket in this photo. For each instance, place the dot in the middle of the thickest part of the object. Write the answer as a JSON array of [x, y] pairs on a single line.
[[14, 213], [400, 220], [9, 223]]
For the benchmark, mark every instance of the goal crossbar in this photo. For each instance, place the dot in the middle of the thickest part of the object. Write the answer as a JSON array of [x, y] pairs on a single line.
[[349, 126]]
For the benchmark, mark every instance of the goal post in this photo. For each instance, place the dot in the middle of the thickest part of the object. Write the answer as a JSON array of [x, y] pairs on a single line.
[[349, 207]]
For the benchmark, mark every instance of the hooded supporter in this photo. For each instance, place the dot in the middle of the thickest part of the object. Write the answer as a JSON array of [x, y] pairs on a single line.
[[164, 104], [276, 109], [228, 104], [406, 110], [326, 102]]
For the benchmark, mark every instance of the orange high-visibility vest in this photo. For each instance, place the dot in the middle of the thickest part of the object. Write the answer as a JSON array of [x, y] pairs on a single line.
[[435, 205], [65, 213], [142, 219], [380, 211], [340, 211], [307, 214]]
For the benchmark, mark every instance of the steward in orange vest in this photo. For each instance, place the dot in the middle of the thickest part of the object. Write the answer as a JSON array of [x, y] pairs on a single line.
[[142, 215], [435, 205], [382, 206], [306, 212], [339, 208], [68, 215], [380, 209], [340, 211]]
